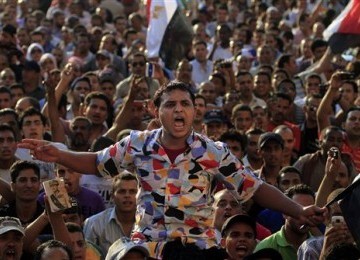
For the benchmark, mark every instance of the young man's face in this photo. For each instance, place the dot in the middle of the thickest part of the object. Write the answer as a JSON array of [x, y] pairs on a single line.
[[78, 245], [272, 153], [225, 206], [124, 196], [242, 121], [7, 145], [288, 180], [5, 100], [33, 127], [200, 109], [71, 179], [176, 114], [80, 132], [292, 223], [11, 244], [26, 186], [235, 148], [96, 111], [252, 150], [215, 129], [239, 241]]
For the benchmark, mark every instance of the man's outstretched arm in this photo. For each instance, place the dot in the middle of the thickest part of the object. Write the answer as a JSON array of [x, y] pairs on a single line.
[[83, 162]]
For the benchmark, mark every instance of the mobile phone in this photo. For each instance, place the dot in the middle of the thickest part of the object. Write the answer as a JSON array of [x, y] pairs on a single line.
[[337, 220], [150, 70], [334, 153]]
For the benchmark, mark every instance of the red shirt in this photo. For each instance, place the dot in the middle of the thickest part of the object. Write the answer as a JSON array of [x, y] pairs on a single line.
[[354, 153]]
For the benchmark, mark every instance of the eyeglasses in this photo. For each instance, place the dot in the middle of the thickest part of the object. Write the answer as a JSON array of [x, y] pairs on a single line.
[[140, 64]]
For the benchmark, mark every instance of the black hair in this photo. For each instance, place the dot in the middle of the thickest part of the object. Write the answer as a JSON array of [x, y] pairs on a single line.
[[234, 135], [300, 189], [52, 244], [21, 165], [167, 88], [31, 111]]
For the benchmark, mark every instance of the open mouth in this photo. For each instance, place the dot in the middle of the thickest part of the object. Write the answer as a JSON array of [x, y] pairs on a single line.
[[241, 249], [179, 122], [10, 254]]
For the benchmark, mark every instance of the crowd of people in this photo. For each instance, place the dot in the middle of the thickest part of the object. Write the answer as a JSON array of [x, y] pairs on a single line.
[[232, 154]]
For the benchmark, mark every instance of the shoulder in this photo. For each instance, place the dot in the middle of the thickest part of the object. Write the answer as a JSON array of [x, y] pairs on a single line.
[[99, 218]]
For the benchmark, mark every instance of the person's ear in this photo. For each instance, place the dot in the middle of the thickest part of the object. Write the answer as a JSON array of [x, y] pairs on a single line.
[[223, 242]]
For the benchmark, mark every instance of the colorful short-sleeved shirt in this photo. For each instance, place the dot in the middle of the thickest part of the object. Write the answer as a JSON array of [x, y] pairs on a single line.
[[176, 198]]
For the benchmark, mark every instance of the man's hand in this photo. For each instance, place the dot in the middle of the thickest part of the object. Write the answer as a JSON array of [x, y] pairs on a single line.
[[312, 215], [40, 149], [335, 235]]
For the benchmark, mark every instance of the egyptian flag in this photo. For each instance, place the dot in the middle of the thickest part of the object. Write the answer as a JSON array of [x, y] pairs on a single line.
[[169, 34], [344, 31]]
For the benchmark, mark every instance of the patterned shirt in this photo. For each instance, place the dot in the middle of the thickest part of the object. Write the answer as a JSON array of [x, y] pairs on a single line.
[[176, 199], [310, 248]]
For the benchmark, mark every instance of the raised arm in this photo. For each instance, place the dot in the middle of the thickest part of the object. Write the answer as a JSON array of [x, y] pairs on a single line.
[[67, 75], [125, 114], [325, 111]]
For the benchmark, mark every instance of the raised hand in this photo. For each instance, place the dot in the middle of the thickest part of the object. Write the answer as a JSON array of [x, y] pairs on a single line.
[[40, 149]]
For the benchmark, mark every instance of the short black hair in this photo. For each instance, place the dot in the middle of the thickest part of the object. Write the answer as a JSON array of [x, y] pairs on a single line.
[[123, 176], [6, 127], [300, 189], [31, 111], [52, 244], [21, 165], [167, 88], [234, 135]]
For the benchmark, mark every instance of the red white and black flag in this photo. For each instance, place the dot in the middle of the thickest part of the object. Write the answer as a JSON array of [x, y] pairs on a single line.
[[344, 31], [169, 34]]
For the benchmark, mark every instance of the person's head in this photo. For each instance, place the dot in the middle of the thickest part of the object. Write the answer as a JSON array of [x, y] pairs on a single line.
[[312, 103], [11, 238], [225, 205], [260, 115], [174, 107], [82, 42], [80, 128], [30, 73], [289, 176], [183, 71], [34, 52], [242, 118], [8, 143], [219, 81], [53, 249], [278, 76], [71, 179], [10, 117], [318, 48], [78, 241], [235, 141], [32, 124], [288, 137], [349, 91], [200, 51], [303, 195], [253, 137], [288, 87], [7, 77], [25, 180], [97, 107], [48, 62], [124, 189], [108, 87], [123, 249], [352, 122], [223, 32], [331, 136], [137, 64], [215, 124], [17, 92], [208, 91], [239, 236], [8, 34], [262, 84], [280, 109], [288, 63], [25, 103], [80, 88], [245, 83], [271, 147], [244, 61], [266, 54], [312, 84], [5, 97], [200, 108]]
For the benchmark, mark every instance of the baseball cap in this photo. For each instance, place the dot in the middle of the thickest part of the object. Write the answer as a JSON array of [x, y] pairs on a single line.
[[10, 224], [32, 65], [239, 218], [215, 115], [266, 137], [122, 246]]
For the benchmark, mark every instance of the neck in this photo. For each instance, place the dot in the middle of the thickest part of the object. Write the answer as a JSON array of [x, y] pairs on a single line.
[[255, 164], [6, 164], [246, 99], [295, 239], [30, 86], [271, 171], [25, 210], [172, 143], [125, 217]]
